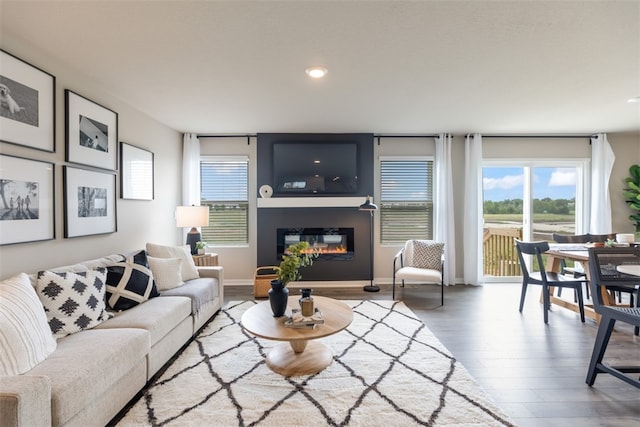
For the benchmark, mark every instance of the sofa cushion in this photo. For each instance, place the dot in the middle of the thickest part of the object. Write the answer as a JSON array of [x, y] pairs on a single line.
[[85, 365], [167, 272], [200, 291], [130, 282], [189, 270], [158, 316], [73, 301], [25, 337]]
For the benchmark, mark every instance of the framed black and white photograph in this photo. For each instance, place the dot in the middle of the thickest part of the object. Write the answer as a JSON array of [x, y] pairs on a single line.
[[27, 104], [89, 202], [92, 132], [136, 172], [27, 200]]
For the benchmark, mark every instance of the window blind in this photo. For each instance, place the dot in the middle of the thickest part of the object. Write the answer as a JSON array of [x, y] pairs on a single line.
[[406, 200], [224, 188]]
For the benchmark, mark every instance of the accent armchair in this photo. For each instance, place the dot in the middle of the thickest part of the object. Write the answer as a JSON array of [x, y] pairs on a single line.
[[421, 261]]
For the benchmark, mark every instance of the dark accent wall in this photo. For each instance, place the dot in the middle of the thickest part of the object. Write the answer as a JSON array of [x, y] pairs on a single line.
[[272, 218]]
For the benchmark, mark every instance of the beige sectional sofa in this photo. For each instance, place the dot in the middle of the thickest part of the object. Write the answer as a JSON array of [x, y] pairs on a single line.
[[92, 374]]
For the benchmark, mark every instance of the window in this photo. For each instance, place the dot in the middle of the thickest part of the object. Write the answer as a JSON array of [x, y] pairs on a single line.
[[406, 200], [224, 188]]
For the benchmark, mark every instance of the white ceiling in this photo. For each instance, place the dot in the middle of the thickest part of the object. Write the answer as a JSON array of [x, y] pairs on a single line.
[[394, 66]]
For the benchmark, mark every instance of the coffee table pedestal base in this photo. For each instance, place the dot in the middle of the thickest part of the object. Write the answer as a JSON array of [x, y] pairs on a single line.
[[305, 360]]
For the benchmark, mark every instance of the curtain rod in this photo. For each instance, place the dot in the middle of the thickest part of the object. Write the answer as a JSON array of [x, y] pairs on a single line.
[[533, 136]]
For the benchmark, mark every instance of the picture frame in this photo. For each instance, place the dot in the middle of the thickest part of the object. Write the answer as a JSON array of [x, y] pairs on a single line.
[[89, 202], [91, 132], [27, 104], [27, 208], [136, 172]]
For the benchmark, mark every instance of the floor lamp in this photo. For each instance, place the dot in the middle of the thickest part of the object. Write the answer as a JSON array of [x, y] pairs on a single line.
[[370, 207]]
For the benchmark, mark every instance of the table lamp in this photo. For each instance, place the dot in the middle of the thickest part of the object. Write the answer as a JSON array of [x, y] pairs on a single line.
[[192, 216]]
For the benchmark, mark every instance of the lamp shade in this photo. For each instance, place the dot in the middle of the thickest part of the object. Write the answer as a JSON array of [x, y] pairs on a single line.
[[192, 216], [368, 206]]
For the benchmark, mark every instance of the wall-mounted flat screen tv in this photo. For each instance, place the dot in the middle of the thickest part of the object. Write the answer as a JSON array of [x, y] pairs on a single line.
[[315, 168]]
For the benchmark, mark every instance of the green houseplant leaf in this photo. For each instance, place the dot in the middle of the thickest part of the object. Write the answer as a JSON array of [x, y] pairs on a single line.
[[632, 194], [295, 257]]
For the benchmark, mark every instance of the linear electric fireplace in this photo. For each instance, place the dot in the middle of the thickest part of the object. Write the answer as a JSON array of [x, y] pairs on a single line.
[[334, 244]]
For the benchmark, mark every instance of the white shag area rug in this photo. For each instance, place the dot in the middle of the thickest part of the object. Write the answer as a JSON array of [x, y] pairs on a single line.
[[388, 370]]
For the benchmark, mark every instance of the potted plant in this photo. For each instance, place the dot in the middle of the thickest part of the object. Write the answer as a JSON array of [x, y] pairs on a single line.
[[295, 257], [632, 194], [200, 246]]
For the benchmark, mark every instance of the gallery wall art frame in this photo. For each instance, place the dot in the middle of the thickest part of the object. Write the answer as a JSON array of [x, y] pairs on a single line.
[[91, 132], [136, 173], [27, 104], [27, 202], [89, 202]]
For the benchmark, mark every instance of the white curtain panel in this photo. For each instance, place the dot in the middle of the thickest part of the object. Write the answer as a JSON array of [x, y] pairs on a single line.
[[443, 198], [190, 170], [602, 160], [473, 210]]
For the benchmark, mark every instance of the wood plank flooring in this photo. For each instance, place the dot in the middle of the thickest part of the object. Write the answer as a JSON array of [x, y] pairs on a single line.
[[535, 372]]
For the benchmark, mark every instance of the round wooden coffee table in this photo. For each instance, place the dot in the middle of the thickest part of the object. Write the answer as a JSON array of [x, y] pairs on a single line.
[[300, 355]]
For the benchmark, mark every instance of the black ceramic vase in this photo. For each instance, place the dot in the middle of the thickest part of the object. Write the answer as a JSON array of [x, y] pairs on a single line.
[[278, 297]]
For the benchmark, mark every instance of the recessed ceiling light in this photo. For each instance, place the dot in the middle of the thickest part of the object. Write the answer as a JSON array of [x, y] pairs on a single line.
[[316, 72], [636, 99]]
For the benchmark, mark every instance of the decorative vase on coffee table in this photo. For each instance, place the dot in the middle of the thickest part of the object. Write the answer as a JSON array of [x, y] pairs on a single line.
[[278, 297], [306, 302]]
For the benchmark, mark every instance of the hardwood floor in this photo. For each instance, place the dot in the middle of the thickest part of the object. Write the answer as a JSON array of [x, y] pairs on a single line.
[[535, 372]]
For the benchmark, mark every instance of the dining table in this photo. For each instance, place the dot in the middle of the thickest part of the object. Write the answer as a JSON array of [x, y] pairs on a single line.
[[578, 253]]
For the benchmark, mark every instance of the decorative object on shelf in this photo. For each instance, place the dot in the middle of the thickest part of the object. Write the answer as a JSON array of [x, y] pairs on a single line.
[[266, 191], [89, 202], [306, 302], [278, 297], [27, 212], [370, 207], [192, 216], [632, 194], [27, 104], [136, 173], [91, 133], [295, 257], [200, 246]]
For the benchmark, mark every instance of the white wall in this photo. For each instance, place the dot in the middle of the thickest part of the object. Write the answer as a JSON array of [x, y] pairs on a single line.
[[137, 221]]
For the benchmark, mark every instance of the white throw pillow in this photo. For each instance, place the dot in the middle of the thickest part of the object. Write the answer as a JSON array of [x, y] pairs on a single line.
[[167, 272], [189, 270], [73, 301], [25, 337]]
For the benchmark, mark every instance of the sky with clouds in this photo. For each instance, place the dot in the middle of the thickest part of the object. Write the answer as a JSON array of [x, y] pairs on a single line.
[[507, 183]]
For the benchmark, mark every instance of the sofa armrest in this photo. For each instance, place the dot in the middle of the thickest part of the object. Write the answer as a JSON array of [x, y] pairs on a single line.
[[213, 272], [25, 401], [216, 273]]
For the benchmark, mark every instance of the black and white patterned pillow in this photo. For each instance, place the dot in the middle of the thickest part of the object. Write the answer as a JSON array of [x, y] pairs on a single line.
[[427, 254], [73, 301], [130, 283]]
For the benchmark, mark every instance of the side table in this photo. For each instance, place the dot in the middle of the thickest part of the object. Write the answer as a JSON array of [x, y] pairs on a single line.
[[206, 260]]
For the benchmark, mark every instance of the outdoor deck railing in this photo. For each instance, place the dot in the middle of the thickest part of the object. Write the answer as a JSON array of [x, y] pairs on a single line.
[[499, 252]]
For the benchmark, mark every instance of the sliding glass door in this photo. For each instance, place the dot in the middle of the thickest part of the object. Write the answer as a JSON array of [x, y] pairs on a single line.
[[530, 201]]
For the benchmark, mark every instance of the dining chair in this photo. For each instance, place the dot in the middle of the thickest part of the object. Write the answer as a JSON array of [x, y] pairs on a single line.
[[603, 263], [421, 261], [546, 279]]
